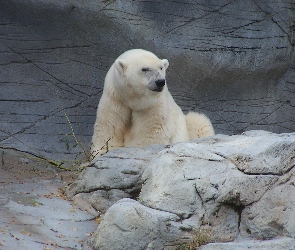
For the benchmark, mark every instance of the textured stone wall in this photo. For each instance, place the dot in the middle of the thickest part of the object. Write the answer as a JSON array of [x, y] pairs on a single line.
[[233, 60]]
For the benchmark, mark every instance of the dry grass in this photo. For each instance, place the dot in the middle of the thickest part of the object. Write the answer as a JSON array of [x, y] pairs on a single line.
[[201, 237]]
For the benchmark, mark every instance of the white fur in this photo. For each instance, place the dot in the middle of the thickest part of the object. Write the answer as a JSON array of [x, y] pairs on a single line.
[[132, 113]]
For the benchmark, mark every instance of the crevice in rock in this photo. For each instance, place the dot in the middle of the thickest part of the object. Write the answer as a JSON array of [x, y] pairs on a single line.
[[202, 219], [93, 165], [2, 157], [199, 195], [130, 172], [135, 193], [238, 208], [221, 155], [186, 229], [259, 174]]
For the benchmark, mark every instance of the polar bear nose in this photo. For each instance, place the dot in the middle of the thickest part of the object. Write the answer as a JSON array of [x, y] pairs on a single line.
[[160, 83]]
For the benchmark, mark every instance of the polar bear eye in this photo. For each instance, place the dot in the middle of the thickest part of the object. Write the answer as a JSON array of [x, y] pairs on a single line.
[[161, 68], [145, 69]]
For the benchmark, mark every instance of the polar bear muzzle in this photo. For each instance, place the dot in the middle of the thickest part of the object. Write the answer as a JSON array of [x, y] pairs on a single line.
[[159, 85]]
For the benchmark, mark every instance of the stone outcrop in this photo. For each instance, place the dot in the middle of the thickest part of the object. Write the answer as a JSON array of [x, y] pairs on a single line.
[[112, 177], [236, 189]]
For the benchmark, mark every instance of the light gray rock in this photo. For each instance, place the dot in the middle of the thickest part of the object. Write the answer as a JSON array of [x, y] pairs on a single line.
[[204, 186], [276, 244], [273, 214], [130, 225], [112, 177], [201, 179]]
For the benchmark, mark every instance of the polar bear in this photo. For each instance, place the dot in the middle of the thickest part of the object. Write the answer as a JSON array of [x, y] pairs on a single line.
[[136, 108]]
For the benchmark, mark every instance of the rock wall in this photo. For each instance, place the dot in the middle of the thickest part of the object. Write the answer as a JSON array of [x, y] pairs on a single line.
[[233, 60], [237, 189]]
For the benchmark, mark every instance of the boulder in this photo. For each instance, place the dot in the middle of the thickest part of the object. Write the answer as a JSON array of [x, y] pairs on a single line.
[[223, 188], [221, 178], [130, 225], [112, 177]]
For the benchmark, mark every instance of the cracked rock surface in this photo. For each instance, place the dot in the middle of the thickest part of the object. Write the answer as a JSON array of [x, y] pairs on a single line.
[[233, 60], [112, 177], [239, 189]]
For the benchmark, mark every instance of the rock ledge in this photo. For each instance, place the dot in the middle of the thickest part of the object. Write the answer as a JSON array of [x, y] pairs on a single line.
[[237, 189]]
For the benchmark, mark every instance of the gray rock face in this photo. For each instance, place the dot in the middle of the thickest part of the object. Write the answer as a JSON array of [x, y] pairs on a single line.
[[272, 215], [129, 220], [221, 179], [112, 177], [238, 189], [233, 60]]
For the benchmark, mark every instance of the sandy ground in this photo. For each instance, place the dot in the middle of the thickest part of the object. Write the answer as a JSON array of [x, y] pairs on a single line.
[[34, 214]]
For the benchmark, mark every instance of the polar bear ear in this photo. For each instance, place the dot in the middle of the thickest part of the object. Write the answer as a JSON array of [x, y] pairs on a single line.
[[165, 63], [121, 65]]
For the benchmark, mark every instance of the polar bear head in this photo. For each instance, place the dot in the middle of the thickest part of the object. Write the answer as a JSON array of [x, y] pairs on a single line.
[[140, 77]]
